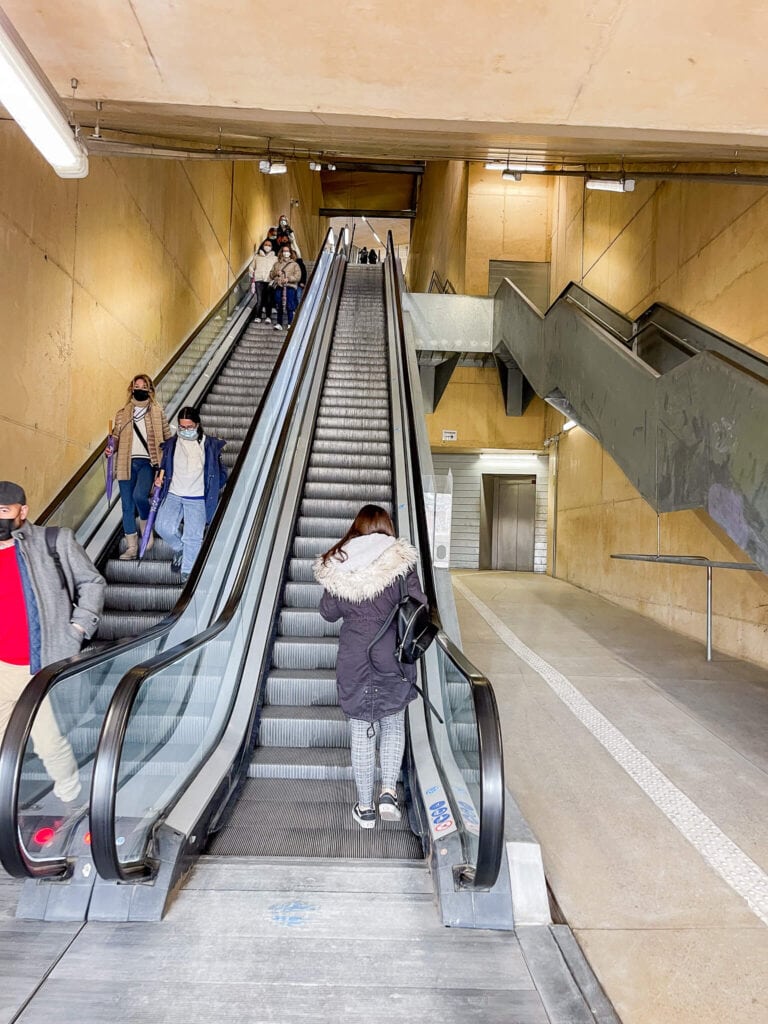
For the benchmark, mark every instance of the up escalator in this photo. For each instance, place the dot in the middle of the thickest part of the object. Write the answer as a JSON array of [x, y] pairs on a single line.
[[265, 768], [299, 792]]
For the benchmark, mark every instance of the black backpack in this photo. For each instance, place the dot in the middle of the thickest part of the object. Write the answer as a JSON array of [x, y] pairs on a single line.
[[415, 629]]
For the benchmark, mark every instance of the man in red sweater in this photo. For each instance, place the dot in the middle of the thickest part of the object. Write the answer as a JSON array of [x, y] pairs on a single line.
[[40, 623]]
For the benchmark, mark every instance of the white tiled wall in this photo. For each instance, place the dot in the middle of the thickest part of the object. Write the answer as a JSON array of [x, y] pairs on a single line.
[[467, 473]]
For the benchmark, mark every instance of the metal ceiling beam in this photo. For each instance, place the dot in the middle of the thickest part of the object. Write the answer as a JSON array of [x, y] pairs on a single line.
[[342, 211], [375, 168]]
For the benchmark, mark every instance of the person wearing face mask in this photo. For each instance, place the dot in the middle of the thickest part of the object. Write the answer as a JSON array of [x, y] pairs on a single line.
[[38, 626], [140, 428], [261, 265], [286, 236], [272, 239], [285, 277], [193, 476]]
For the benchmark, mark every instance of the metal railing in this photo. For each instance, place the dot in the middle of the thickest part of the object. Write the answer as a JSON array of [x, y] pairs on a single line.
[[470, 739]]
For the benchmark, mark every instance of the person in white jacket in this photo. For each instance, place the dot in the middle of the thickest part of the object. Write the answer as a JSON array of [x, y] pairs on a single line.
[[261, 266]]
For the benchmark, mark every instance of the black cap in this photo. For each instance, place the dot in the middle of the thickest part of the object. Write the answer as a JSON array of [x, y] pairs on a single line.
[[11, 493]]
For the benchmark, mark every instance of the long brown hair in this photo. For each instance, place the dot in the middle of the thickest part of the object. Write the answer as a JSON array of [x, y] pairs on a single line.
[[370, 519], [150, 386]]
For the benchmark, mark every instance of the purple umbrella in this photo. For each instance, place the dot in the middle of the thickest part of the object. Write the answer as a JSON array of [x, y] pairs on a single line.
[[111, 450], [154, 505]]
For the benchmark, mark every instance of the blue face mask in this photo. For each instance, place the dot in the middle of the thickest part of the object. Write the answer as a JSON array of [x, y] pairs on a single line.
[[188, 433]]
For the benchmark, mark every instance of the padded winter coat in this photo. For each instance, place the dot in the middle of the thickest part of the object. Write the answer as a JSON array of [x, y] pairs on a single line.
[[285, 273], [362, 591]]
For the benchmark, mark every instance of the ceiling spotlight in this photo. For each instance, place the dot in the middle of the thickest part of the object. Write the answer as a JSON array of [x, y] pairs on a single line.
[[315, 166], [509, 175], [264, 166], [331, 167], [611, 184], [278, 167]]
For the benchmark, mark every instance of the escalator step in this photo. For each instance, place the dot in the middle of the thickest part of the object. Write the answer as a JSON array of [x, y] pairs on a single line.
[[142, 597], [302, 595], [304, 622], [308, 688], [305, 652], [295, 726]]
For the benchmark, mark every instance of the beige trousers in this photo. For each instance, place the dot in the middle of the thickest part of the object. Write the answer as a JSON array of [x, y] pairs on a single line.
[[51, 747]]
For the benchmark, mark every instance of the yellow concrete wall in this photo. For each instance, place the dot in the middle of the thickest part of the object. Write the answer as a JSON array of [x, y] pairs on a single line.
[[439, 236], [702, 248], [506, 220], [105, 277], [473, 405]]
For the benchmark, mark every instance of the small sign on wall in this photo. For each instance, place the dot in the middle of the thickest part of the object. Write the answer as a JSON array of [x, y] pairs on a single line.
[[450, 435]]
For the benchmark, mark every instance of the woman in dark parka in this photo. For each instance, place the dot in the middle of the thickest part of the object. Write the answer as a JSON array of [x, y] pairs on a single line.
[[360, 577]]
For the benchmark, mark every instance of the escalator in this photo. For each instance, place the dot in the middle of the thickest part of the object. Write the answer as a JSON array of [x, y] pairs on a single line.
[[140, 594], [243, 378], [299, 792], [254, 760]]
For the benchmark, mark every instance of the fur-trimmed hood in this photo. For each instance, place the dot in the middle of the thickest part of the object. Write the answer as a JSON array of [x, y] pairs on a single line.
[[373, 562]]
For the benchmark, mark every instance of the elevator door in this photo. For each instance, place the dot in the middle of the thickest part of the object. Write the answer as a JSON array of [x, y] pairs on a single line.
[[514, 509]]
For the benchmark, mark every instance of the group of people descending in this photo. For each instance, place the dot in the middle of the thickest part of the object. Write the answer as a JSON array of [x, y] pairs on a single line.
[[187, 465], [278, 275], [368, 256]]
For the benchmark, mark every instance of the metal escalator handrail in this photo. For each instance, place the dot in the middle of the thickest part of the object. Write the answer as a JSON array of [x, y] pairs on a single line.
[[13, 748], [492, 798], [115, 726], [98, 452]]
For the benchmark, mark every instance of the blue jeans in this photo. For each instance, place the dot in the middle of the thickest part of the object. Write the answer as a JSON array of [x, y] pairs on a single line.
[[290, 303], [134, 493], [168, 526]]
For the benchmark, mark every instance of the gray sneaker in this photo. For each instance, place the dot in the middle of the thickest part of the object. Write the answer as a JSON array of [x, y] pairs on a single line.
[[364, 816], [388, 809]]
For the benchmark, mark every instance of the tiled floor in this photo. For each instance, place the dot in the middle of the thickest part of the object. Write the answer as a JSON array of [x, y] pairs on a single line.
[[669, 937]]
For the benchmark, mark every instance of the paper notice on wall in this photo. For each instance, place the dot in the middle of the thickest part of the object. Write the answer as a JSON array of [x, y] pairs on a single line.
[[438, 501]]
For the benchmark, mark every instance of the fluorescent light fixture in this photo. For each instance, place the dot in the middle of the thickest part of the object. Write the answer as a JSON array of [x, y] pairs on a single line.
[[611, 184], [29, 98], [315, 166], [569, 425], [278, 167], [495, 165], [509, 175]]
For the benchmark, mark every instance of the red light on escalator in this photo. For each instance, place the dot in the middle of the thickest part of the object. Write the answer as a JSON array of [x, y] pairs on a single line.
[[87, 838], [43, 836]]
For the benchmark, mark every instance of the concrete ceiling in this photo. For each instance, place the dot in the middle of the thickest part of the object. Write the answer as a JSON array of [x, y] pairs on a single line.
[[576, 79]]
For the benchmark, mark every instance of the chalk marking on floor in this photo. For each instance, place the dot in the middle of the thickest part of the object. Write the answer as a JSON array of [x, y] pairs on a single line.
[[739, 871]]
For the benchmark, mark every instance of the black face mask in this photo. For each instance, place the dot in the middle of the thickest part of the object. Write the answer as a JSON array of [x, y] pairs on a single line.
[[140, 394], [6, 525]]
